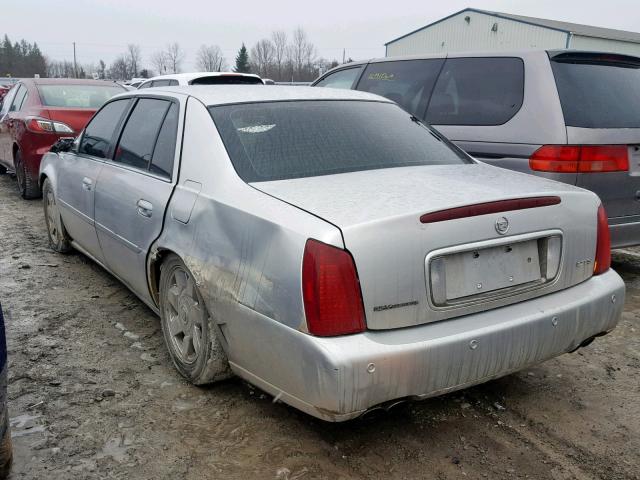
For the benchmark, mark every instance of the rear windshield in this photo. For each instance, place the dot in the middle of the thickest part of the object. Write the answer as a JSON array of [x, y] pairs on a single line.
[[597, 94], [77, 96], [280, 140], [227, 80]]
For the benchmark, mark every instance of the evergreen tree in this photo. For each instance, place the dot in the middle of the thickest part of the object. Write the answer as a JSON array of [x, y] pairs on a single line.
[[242, 61]]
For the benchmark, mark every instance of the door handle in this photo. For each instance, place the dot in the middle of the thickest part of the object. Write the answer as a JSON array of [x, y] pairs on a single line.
[[145, 208], [87, 183]]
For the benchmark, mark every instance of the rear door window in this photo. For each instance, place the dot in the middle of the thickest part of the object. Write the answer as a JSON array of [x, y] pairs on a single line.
[[98, 135], [18, 100], [598, 91], [161, 83], [408, 83], [477, 91], [165, 148], [340, 79], [139, 135]]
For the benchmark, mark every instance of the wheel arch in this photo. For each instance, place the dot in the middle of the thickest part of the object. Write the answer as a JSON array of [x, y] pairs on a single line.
[[157, 257]]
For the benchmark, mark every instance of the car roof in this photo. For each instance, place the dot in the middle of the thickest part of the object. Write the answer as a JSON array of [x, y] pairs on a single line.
[[193, 75], [229, 94], [68, 81]]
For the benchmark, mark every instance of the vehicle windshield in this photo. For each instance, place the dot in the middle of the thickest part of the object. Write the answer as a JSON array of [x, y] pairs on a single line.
[[595, 93], [77, 96], [281, 140], [227, 80]]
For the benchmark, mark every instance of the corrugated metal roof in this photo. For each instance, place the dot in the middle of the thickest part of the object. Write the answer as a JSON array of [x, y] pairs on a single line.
[[575, 28]]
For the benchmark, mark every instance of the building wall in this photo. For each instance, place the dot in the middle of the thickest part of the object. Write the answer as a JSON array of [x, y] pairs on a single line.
[[604, 45], [456, 35]]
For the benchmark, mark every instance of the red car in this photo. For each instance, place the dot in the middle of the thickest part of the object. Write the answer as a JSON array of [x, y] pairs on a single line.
[[3, 91], [36, 113]]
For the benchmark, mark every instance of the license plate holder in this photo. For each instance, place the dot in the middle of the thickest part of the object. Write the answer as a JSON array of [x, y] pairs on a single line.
[[485, 270]]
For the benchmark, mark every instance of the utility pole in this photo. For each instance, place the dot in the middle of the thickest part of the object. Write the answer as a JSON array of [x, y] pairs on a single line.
[[75, 65], [344, 51]]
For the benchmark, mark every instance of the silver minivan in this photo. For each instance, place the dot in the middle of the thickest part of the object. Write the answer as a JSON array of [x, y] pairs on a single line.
[[571, 116]]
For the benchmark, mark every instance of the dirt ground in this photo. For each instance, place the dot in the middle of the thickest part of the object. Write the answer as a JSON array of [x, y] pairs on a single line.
[[92, 394]]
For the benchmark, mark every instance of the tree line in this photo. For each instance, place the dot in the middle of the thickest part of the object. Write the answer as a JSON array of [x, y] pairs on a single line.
[[21, 59], [280, 56]]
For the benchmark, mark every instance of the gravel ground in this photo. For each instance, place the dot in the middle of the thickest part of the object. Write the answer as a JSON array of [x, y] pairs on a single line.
[[92, 394]]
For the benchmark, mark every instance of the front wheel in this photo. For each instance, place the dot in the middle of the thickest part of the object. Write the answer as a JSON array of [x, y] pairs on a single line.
[[58, 238], [190, 333], [27, 185]]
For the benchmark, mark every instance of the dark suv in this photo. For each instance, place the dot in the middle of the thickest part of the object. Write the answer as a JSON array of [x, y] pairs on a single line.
[[567, 115]]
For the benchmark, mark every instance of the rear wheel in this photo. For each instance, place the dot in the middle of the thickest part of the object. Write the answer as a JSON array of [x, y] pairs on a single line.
[[190, 333], [58, 238], [27, 185], [3, 169]]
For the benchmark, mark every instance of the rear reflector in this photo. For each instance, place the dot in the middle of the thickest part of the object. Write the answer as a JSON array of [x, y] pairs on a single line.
[[331, 291], [488, 208], [580, 158], [603, 245]]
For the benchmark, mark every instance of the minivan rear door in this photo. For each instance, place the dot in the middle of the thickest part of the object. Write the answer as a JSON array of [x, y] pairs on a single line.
[[600, 98]]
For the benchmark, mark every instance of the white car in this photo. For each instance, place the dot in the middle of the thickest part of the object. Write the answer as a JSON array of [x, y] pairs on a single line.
[[203, 78]]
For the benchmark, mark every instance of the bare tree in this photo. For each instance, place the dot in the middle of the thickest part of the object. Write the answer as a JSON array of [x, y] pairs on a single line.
[[210, 59], [279, 40], [119, 69], [160, 62], [175, 57], [133, 59], [262, 55]]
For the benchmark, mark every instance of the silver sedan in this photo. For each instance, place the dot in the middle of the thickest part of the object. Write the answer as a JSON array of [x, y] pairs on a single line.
[[327, 246]]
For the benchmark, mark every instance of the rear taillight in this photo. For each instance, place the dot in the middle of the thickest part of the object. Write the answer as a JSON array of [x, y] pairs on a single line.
[[603, 244], [580, 158], [42, 125], [331, 291]]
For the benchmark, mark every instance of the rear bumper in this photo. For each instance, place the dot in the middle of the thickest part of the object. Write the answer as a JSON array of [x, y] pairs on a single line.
[[339, 378], [625, 231]]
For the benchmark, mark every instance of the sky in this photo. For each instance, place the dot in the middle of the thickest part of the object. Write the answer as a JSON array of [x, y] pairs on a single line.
[[103, 28]]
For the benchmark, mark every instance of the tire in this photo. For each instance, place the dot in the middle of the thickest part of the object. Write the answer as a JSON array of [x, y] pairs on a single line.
[[27, 185], [190, 333], [58, 237], [6, 450], [3, 170]]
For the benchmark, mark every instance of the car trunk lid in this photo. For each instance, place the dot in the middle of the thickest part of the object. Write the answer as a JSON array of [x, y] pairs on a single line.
[[398, 257]]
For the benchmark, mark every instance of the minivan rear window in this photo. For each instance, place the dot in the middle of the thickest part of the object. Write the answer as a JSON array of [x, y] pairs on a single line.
[[281, 140], [598, 93]]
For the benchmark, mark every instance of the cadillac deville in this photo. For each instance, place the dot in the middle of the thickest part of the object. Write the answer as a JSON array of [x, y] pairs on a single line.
[[327, 246]]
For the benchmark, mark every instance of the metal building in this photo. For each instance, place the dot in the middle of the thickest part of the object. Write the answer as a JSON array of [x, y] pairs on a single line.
[[481, 30]]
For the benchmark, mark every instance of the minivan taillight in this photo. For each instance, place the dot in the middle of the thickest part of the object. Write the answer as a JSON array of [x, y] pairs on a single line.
[[331, 291], [603, 244], [580, 158]]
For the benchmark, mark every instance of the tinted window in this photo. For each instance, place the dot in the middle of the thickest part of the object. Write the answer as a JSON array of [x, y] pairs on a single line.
[[99, 132], [408, 83], [477, 91], [173, 83], [599, 95], [165, 149], [278, 140], [140, 133], [161, 83], [340, 79], [7, 101], [77, 96], [18, 99], [145, 85], [227, 80]]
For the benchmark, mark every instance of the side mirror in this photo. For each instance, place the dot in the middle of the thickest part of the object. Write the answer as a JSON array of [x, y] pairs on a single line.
[[62, 145]]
